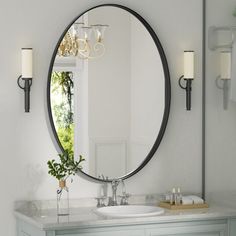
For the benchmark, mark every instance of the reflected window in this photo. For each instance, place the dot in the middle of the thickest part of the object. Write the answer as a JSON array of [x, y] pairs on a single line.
[[62, 100]]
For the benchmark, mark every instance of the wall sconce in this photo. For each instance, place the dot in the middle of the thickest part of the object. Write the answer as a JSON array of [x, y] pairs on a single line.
[[188, 76], [225, 76], [26, 76]]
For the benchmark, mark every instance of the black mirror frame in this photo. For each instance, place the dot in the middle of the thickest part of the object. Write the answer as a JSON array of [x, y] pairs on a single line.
[[167, 90]]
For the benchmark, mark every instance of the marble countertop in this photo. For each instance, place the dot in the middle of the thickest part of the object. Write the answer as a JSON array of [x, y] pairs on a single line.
[[84, 217]]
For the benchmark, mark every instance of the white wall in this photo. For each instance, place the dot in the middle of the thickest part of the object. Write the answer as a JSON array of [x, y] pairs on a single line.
[[221, 124], [25, 141]]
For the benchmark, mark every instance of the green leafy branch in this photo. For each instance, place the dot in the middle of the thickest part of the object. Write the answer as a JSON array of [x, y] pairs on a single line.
[[66, 167]]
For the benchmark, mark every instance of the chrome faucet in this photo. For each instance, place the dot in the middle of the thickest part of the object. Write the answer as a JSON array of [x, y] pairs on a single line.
[[113, 199]]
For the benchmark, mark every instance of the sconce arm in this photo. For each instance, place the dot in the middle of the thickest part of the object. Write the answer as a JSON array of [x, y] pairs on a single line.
[[20, 78], [181, 86], [218, 79], [18, 82]]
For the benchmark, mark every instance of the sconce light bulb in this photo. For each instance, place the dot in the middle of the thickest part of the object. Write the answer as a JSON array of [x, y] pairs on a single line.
[[99, 36], [87, 32], [85, 36]]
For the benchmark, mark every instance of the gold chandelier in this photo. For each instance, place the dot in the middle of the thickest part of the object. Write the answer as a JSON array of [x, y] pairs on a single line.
[[78, 41]]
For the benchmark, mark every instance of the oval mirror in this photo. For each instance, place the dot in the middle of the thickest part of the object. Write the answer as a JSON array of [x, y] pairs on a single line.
[[109, 91]]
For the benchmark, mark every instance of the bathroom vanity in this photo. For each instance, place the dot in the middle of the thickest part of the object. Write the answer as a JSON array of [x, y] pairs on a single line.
[[107, 106], [215, 221]]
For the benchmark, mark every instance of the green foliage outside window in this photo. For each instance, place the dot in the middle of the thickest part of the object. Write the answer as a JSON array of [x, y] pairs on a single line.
[[62, 86], [66, 137]]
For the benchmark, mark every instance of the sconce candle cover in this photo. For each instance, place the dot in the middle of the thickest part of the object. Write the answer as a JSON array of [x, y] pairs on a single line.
[[225, 65], [189, 64], [27, 58]]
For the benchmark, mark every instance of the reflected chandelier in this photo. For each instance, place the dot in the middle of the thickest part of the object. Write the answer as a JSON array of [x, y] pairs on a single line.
[[78, 41]]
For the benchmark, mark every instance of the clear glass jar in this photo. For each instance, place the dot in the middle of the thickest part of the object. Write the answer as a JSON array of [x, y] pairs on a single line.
[[63, 199]]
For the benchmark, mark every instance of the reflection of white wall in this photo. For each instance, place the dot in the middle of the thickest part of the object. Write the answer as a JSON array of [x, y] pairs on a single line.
[[147, 94], [109, 85], [126, 93], [81, 139], [109, 157]]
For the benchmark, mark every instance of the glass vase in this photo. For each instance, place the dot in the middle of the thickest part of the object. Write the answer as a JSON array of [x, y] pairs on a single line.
[[62, 199]]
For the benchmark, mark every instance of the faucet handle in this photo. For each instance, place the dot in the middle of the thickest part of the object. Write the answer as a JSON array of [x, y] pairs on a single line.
[[100, 201], [110, 202], [115, 183], [124, 199]]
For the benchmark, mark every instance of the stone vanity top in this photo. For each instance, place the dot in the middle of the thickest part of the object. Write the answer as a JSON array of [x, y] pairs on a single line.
[[84, 217]]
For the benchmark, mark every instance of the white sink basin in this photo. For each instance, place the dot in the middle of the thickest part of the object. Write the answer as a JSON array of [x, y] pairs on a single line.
[[129, 211]]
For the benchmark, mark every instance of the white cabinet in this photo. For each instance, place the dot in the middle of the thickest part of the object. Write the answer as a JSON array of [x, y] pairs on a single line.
[[26, 229], [191, 228]]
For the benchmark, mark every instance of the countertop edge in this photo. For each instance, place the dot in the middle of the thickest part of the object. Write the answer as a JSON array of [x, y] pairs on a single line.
[[116, 222]]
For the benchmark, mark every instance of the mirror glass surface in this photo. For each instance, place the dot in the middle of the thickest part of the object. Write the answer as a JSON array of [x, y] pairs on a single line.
[[107, 92]]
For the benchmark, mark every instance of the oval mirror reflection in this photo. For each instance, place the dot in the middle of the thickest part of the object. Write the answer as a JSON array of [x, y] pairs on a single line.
[[107, 92]]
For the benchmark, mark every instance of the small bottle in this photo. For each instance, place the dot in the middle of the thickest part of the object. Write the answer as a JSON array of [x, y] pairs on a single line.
[[172, 197], [179, 196]]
